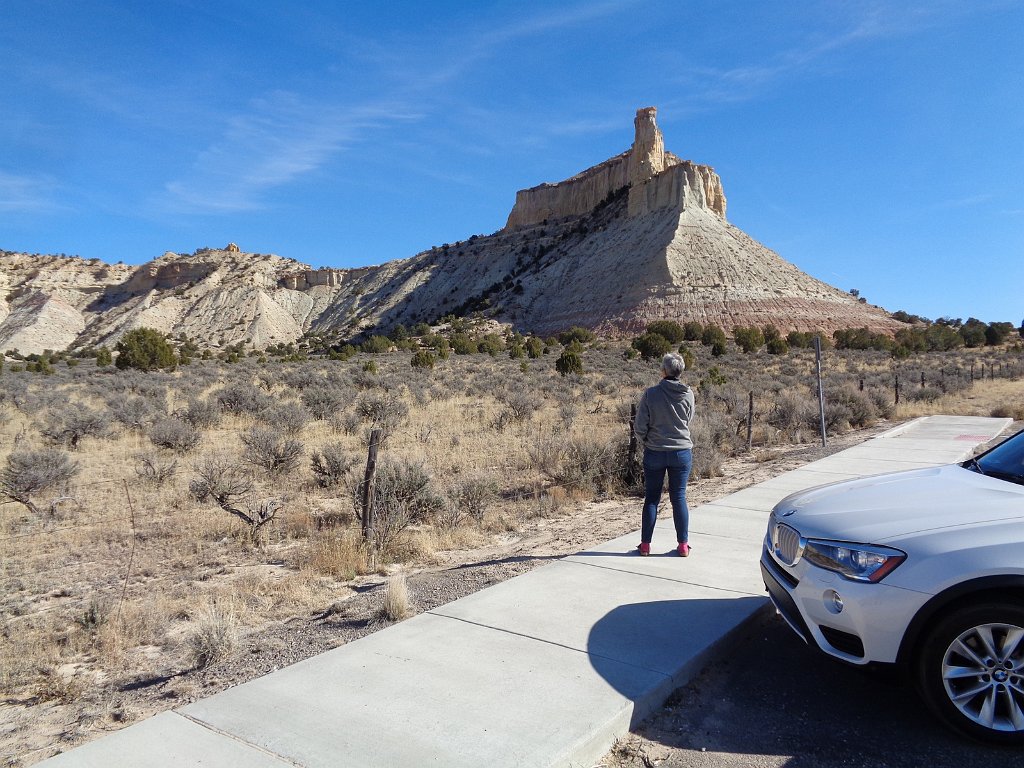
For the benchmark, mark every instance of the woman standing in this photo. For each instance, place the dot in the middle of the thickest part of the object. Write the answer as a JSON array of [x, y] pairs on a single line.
[[663, 426]]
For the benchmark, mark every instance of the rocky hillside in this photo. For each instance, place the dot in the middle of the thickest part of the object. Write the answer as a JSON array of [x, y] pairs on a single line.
[[639, 237]]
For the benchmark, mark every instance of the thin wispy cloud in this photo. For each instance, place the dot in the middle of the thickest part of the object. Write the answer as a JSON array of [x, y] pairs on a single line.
[[282, 138], [876, 21], [27, 194]]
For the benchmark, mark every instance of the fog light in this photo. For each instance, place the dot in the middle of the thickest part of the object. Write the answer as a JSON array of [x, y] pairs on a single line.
[[833, 601]]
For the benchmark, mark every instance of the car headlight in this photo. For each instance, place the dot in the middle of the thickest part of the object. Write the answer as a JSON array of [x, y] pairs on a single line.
[[858, 562]]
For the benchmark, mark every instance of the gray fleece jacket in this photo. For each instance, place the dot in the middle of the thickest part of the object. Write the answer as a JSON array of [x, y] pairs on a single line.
[[663, 416]]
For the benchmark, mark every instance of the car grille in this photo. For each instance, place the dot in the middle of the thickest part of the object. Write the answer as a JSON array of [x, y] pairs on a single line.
[[785, 544]]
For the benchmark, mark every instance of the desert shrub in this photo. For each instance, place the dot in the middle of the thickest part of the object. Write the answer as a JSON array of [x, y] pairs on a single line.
[[395, 605], [652, 345], [776, 346], [534, 347], [69, 425], [402, 497], [213, 638], [569, 362], [155, 469], [667, 329], [103, 357], [521, 404], [576, 333], [423, 359], [240, 397], [708, 457], [862, 409], [271, 450], [791, 412], [201, 414], [462, 344], [925, 394], [474, 496], [287, 417], [882, 399], [324, 401], [175, 435], [28, 473], [587, 465], [144, 349], [385, 412], [229, 485], [748, 339], [693, 331], [331, 465], [491, 343], [134, 413], [837, 418], [376, 344]]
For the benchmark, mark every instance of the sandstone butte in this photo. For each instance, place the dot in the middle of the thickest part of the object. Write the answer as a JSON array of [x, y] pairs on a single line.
[[639, 237]]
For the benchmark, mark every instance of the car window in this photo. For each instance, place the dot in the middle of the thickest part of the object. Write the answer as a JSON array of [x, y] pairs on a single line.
[[1006, 460]]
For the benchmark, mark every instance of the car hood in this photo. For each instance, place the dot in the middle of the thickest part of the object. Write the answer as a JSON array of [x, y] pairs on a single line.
[[883, 508]]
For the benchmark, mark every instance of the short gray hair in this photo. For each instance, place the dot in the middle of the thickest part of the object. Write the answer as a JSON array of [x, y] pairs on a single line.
[[673, 365]]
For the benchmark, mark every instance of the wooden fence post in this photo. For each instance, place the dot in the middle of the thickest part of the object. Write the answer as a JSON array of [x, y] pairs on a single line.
[[897, 389], [371, 471], [750, 422], [821, 392], [922, 379], [631, 466]]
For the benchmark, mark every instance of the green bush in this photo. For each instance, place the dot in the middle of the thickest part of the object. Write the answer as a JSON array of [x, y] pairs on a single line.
[[569, 362], [145, 349], [748, 339], [693, 331], [652, 345], [534, 347], [669, 329], [376, 344], [576, 333], [423, 359]]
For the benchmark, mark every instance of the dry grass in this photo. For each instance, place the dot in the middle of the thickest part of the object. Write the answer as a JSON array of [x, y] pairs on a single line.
[[127, 577]]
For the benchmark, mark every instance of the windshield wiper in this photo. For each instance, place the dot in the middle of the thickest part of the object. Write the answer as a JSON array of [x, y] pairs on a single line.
[[973, 464], [1010, 477]]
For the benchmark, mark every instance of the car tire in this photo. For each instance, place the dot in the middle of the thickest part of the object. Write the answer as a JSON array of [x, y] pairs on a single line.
[[970, 671]]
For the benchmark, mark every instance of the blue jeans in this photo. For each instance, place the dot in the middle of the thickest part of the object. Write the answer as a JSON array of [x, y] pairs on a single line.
[[656, 464]]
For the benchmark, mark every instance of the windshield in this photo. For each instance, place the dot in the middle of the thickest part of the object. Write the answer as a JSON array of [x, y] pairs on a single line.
[[1005, 461]]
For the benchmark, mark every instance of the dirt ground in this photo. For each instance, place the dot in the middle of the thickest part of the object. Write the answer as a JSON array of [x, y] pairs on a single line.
[[32, 732]]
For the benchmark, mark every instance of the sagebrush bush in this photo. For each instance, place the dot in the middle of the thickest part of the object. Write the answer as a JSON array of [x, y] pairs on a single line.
[[402, 497], [68, 426], [331, 465], [155, 469], [240, 397], [175, 435], [385, 411], [134, 413], [324, 402], [271, 450], [474, 496], [30, 472], [289, 418], [201, 414]]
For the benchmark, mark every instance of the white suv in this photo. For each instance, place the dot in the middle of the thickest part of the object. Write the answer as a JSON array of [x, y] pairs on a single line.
[[924, 569]]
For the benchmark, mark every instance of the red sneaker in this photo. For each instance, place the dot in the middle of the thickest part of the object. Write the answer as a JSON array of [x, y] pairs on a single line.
[[684, 549], [645, 549]]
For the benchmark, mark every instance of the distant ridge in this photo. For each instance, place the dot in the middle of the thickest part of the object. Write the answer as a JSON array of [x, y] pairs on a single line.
[[642, 236]]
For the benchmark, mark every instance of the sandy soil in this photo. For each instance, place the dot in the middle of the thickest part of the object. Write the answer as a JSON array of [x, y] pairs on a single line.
[[30, 733]]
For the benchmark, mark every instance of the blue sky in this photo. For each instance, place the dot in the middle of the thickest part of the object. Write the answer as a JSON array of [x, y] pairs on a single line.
[[876, 145]]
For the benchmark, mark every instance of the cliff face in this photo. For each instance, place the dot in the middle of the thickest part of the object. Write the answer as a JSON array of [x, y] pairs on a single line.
[[639, 237], [640, 168]]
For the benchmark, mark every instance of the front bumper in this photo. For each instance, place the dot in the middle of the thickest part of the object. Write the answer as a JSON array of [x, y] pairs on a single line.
[[870, 626]]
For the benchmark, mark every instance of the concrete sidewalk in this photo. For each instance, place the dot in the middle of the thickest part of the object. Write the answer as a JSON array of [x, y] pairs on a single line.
[[546, 669]]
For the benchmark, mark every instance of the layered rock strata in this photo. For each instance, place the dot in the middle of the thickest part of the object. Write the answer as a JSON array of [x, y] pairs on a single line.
[[640, 237]]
